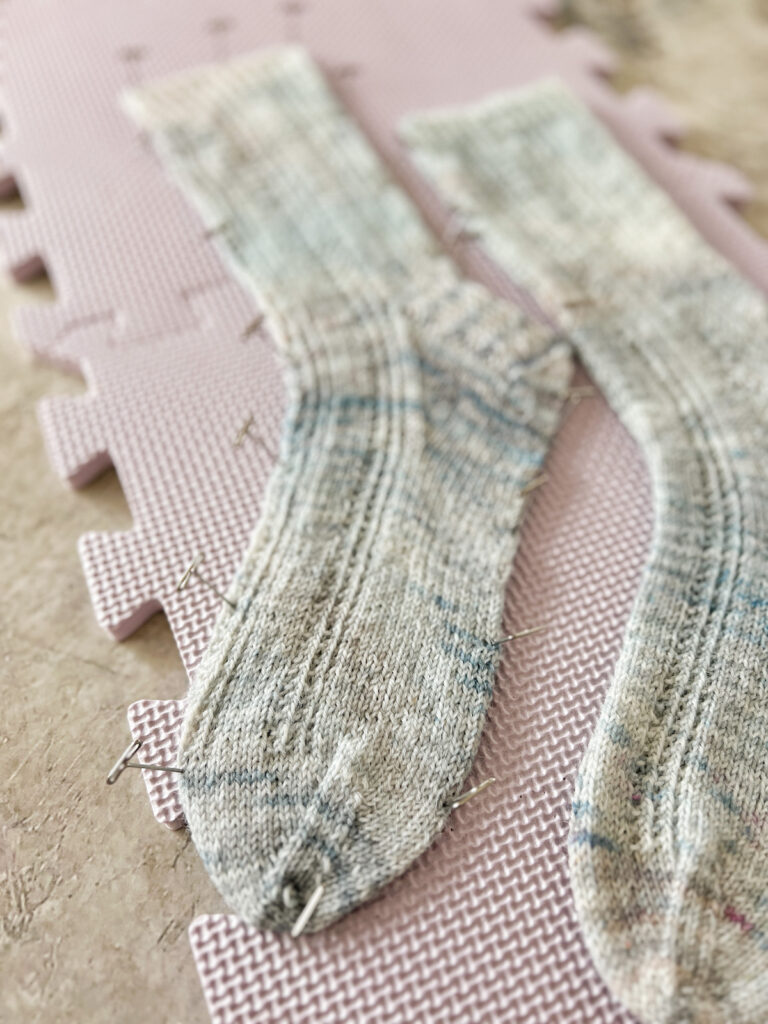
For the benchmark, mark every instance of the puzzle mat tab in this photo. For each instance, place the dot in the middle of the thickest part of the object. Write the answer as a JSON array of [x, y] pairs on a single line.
[[505, 951], [167, 415]]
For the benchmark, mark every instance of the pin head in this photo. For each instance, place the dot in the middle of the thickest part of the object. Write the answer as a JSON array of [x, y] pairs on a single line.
[[122, 762], [188, 572]]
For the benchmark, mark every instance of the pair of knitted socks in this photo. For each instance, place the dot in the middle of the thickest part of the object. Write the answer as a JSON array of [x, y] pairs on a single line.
[[339, 706]]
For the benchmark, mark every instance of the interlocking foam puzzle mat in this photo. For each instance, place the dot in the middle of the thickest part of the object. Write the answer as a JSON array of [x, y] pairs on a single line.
[[482, 928]]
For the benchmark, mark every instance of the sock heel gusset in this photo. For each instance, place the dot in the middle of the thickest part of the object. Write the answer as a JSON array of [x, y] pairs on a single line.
[[338, 709]]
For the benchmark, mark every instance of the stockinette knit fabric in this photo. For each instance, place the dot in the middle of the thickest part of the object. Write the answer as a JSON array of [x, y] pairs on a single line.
[[668, 838], [338, 708]]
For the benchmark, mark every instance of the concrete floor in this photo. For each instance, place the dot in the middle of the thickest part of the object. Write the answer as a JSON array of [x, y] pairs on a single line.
[[95, 898], [709, 59]]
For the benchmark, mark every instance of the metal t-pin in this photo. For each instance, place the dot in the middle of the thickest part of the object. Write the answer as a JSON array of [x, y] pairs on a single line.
[[124, 761], [304, 917], [537, 481], [459, 800], [517, 636], [192, 570]]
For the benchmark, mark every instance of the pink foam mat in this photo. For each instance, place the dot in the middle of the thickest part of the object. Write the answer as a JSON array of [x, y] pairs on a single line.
[[482, 928]]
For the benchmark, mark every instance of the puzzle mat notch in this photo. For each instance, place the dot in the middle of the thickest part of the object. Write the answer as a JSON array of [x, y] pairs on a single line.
[[545, 727], [167, 416]]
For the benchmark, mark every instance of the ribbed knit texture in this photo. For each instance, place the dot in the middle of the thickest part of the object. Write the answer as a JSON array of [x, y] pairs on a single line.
[[337, 710], [668, 839]]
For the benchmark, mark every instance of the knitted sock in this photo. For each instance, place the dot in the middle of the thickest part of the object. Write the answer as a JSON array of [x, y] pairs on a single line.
[[338, 708], [668, 842]]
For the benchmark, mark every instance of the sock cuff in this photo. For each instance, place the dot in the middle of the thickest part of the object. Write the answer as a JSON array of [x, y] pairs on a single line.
[[270, 156], [557, 201]]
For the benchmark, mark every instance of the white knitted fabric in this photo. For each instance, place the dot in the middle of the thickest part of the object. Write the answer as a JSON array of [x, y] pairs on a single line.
[[338, 708], [669, 833]]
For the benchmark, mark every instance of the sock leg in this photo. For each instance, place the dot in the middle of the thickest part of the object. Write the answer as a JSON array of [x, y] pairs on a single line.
[[339, 707], [668, 845]]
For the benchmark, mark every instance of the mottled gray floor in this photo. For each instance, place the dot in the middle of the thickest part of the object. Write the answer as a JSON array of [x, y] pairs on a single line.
[[709, 59], [95, 897]]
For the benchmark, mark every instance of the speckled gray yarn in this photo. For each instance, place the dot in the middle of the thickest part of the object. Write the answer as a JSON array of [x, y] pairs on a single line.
[[669, 831], [338, 709]]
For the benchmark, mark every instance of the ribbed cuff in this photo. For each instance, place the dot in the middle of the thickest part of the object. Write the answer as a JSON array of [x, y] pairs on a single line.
[[556, 200], [288, 183]]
